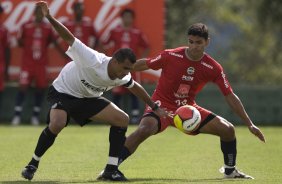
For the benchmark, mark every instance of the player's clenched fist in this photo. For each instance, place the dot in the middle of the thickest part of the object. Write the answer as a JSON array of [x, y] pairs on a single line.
[[44, 7]]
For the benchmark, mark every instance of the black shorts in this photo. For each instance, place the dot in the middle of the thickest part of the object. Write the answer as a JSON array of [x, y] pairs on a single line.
[[79, 109]]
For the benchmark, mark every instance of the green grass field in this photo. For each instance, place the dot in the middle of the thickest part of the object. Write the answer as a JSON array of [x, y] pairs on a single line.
[[79, 154]]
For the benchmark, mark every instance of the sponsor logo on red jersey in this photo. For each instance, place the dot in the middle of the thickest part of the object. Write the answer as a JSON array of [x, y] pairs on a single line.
[[174, 54], [182, 91], [206, 65], [224, 79], [187, 78], [190, 70]]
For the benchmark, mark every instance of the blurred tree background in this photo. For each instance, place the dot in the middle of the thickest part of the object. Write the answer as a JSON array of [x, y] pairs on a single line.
[[245, 35]]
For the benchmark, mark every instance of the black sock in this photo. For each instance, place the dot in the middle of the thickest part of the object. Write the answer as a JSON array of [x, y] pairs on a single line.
[[34, 162], [117, 139], [45, 141], [229, 152], [125, 153]]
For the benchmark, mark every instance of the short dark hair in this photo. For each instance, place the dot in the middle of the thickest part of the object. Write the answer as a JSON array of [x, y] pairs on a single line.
[[124, 53], [198, 29], [127, 10]]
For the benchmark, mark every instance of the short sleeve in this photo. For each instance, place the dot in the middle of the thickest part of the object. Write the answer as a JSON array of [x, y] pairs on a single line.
[[222, 82], [84, 56], [157, 62]]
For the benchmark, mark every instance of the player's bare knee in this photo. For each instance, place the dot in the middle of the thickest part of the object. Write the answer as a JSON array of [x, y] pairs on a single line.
[[228, 133], [122, 120], [144, 130], [231, 130], [56, 125]]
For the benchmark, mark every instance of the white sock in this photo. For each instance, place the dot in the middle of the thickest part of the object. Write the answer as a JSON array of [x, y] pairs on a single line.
[[113, 161]]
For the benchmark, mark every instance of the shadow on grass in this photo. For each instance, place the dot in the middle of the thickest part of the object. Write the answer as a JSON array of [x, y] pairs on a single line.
[[33, 182], [133, 180], [171, 180]]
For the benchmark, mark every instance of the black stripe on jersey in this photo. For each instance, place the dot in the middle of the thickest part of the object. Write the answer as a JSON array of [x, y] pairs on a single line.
[[129, 83]]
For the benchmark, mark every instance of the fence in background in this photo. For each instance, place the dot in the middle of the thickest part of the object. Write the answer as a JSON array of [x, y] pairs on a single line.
[[263, 104]]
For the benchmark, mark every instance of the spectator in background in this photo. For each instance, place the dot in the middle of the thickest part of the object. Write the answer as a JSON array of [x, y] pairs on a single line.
[[4, 54], [34, 37], [127, 36], [81, 27]]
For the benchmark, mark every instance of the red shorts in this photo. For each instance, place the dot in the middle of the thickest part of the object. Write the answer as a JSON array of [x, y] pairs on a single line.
[[206, 116], [35, 73]]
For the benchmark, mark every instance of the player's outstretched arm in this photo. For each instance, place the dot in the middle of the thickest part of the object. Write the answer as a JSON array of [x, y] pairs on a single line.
[[140, 65], [141, 93], [64, 33], [235, 103]]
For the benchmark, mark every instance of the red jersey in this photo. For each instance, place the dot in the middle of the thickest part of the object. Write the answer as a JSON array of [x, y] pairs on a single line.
[[127, 38], [182, 79], [84, 31], [3, 45], [36, 38]]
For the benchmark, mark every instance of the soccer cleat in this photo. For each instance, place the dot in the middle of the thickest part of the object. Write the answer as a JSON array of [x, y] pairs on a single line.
[[112, 176], [16, 120], [28, 172], [235, 174], [34, 121]]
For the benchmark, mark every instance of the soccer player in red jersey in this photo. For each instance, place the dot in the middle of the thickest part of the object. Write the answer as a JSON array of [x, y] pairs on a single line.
[[81, 27], [128, 36], [4, 54], [34, 37], [185, 71]]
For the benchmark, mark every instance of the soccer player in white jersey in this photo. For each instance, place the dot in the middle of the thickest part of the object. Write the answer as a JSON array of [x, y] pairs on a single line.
[[77, 91]]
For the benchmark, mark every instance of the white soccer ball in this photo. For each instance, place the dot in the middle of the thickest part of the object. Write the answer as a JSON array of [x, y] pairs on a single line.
[[187, 118]]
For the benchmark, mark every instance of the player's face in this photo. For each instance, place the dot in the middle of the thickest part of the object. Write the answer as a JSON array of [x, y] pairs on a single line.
[[127, 19], [196, 46], [78, 10], [123, 68]]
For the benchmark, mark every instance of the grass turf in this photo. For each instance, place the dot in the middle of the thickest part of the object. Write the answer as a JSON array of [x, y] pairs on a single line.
[[79, 154]]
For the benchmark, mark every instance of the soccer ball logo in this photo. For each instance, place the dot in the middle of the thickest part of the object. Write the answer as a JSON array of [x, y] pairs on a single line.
[[187, 118]]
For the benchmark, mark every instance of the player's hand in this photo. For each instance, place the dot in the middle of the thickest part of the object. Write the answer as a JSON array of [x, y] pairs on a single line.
[[44, 7], [256, 131]]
